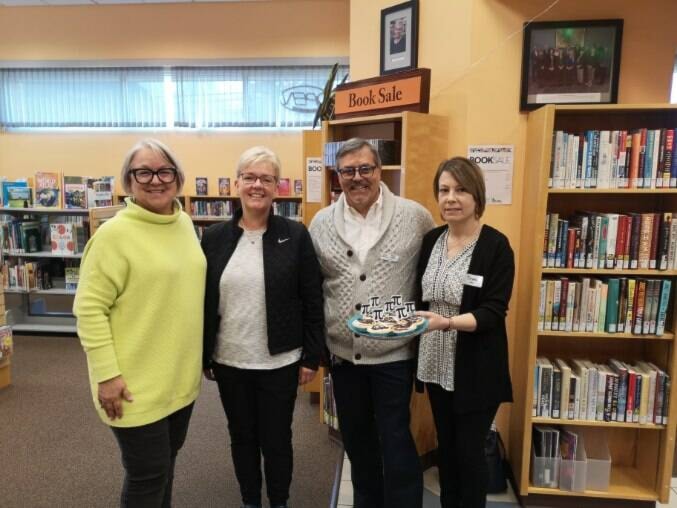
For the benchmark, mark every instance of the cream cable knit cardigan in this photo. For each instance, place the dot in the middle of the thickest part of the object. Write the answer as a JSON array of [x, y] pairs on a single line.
[[389, 269]]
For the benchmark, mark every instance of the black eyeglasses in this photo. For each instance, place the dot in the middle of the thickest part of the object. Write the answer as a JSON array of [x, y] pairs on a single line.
[[250, 179], [143, 175], [348, 172]]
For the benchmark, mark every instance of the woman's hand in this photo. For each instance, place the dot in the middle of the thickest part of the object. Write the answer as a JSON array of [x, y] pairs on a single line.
[[111, 394], [209, 374], [306, 375], [435, 321]]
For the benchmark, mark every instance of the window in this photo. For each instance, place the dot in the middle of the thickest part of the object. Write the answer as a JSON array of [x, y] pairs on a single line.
[[162, 97]]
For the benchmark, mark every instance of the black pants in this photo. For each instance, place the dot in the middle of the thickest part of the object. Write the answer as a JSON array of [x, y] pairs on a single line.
[[148, 456], [259, 405], [461, 458], [372, 402]]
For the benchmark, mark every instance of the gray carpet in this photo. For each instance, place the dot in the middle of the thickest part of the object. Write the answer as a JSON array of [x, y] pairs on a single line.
[[55, 452]]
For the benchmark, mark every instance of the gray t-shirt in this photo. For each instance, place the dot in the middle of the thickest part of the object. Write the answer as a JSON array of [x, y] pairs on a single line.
[[242, 339]]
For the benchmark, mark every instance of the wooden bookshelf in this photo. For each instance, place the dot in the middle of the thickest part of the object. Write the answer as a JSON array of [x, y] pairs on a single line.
[[641, 455], [423, 145], [20, 312]]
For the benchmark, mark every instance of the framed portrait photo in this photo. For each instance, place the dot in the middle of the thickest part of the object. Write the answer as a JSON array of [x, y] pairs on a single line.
[[570, 62], [399, 37]]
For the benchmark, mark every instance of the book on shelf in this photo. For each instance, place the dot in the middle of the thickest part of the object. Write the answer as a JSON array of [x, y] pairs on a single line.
[[284, 187], [75, 192], [19, 197], [47, 189], [614, 391], [613, 305], [211, 208], [72, 276], [67, 238], [201, 186], [617, 159], [224, 186], [611, 241], [298, 187], [100, 191], [7, 184]]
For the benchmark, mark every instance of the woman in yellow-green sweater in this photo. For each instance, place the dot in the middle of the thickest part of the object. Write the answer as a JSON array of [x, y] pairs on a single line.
[[139, 309]]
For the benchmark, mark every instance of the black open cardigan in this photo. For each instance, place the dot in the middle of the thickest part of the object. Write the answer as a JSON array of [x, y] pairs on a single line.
[[482, 376], [293, 287]]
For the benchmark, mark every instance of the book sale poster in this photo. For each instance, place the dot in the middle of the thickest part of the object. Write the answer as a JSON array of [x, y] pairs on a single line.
[[496, 162]]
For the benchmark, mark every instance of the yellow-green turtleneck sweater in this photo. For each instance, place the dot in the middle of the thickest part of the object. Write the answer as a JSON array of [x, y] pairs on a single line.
[[139, 309]]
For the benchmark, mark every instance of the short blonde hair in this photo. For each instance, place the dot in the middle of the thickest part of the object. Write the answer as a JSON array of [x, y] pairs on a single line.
[[256, 155], [469, 175], [159, 148]]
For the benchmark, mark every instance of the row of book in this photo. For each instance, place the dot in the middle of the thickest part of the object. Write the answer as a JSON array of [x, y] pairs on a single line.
[[289, 209], [579, 389], [66, 237], [611, 241], [211, 208], [617, 305], [54, 190], [38, 275], [636, 158]]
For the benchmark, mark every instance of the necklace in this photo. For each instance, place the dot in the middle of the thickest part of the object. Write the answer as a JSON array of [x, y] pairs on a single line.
[[252, 234]]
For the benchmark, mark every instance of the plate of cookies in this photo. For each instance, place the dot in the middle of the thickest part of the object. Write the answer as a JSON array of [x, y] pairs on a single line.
[[388, 327]]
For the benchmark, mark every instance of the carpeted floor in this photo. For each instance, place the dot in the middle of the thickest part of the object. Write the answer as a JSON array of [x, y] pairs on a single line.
[[55, 452]]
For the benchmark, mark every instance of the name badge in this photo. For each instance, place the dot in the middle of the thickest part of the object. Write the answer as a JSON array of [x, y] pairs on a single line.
[[473, 280], [390, 257]]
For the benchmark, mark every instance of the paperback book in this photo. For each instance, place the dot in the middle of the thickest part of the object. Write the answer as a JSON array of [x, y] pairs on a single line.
[[47, 190]]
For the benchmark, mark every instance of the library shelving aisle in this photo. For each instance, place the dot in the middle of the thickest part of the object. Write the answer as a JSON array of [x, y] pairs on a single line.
[[28, 300], [422, 140], [641, 453]]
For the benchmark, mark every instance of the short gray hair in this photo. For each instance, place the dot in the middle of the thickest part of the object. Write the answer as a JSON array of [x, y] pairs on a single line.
[[354, 145], [256, 155], [159, 148]]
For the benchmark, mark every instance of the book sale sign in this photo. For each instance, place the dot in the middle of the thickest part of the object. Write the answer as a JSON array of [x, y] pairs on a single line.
[[496, 162]]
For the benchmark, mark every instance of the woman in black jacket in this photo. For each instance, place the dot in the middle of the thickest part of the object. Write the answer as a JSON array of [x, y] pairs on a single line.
[[264, 326], [465, 276]]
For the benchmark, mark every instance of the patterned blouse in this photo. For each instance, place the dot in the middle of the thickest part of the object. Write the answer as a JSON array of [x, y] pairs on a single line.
[[443, 289]]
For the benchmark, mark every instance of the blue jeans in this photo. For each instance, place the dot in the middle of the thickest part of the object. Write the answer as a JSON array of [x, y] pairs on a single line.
[[372, 402], [148, 456]]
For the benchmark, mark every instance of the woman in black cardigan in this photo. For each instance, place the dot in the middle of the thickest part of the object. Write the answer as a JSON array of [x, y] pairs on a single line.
[[465, 277], [263, 327]]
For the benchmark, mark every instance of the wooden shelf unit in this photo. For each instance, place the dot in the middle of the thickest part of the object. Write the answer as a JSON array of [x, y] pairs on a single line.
[[62, 322], [423, 146], [641, 455]]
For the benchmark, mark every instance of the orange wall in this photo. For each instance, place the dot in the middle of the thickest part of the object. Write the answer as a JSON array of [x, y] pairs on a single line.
[[278, 29], [474, 48]]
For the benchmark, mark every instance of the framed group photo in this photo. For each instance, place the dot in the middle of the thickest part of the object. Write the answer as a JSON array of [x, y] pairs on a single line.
[[570, 62], [399, 37]]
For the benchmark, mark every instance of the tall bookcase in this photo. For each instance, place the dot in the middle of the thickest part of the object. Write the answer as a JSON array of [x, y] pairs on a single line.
[[641, 455], [423, 145]]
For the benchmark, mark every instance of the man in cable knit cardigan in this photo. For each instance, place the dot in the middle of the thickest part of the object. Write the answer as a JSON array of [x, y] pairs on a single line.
[[368, 244]]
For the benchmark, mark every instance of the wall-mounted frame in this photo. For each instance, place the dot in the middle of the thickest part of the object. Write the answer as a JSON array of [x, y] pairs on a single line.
[[570, 62], [399, 37]]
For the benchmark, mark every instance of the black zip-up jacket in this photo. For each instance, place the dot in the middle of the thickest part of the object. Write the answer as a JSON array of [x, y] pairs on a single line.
[[293, 286], [482, 377]]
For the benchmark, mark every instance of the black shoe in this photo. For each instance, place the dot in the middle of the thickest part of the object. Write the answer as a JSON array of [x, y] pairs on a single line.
[[250, 506]]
